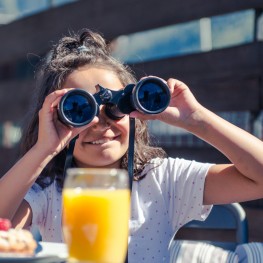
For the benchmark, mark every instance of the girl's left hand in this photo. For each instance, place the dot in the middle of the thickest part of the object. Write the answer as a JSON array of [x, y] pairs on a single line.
[[181, 109]]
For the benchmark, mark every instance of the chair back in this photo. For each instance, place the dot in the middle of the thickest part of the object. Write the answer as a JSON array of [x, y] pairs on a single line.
[[225, 217]]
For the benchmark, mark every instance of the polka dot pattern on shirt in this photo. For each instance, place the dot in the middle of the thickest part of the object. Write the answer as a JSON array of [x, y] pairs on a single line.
[[161, 203]]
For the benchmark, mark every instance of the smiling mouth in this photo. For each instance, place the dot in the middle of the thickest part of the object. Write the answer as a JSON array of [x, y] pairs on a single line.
[[101, 141]]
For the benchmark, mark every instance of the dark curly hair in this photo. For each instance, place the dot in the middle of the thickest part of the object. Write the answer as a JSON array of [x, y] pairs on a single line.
[[62, 60]]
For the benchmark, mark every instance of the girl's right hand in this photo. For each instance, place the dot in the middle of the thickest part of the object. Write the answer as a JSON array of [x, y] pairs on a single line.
[[53, 135]]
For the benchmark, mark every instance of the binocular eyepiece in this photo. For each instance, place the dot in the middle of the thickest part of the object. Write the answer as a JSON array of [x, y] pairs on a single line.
[[149, 96]]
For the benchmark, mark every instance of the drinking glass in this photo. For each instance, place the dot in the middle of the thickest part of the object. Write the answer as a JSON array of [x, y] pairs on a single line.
[[96, 211]]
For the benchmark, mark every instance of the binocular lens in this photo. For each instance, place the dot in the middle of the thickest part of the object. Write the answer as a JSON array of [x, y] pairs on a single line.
[[152, 96], [77, 108]]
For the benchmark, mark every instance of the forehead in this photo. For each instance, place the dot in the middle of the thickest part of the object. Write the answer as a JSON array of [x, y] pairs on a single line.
[[87, 78]]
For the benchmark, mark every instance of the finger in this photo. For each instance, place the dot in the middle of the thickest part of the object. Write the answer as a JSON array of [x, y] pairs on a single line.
[[177, 83], [56, 94], [56, 117], [55, 103], [53, 99], [176, 86]]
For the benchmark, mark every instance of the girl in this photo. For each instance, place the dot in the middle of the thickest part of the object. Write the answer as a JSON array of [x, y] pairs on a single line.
[[166, 193]]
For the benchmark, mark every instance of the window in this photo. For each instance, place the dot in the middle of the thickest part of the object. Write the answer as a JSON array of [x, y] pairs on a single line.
[[186, 38]]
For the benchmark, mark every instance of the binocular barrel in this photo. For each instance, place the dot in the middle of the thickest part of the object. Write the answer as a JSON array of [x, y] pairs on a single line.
[[149, 96]]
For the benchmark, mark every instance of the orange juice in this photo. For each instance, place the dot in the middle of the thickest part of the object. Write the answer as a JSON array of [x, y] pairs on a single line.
[[96, 224]]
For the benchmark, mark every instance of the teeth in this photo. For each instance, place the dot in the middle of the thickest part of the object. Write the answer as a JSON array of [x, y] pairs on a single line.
[[101, 141]]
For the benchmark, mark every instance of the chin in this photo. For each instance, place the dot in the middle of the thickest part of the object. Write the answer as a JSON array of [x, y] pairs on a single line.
[[102, 160], [105, 158]]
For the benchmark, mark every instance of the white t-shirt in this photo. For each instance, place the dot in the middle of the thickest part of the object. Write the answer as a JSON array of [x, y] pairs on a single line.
[[169, 196]]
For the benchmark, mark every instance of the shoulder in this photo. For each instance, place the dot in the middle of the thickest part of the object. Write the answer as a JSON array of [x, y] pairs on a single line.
[[159, 168], [169, 163], [175, 167], [36, 191]]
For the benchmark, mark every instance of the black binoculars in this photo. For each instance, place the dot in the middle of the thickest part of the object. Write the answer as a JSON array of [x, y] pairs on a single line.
[[149, 96]]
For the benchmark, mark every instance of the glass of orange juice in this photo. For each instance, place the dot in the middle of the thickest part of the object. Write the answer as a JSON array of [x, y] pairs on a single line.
[[96, 211]]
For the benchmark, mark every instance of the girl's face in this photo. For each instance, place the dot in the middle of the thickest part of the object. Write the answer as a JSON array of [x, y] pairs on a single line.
[[103, 144]]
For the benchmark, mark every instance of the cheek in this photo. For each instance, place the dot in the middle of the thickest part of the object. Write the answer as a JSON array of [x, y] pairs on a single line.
[[124, 125]]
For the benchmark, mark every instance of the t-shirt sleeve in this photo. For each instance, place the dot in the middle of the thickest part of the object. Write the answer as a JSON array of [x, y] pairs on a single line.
[[37, 200], [185, 191]]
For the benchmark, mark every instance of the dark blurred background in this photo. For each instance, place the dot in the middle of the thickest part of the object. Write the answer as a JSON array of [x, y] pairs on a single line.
[[216, 47]]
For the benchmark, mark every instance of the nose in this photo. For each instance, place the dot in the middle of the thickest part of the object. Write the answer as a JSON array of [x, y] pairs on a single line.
[[104, 122]]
